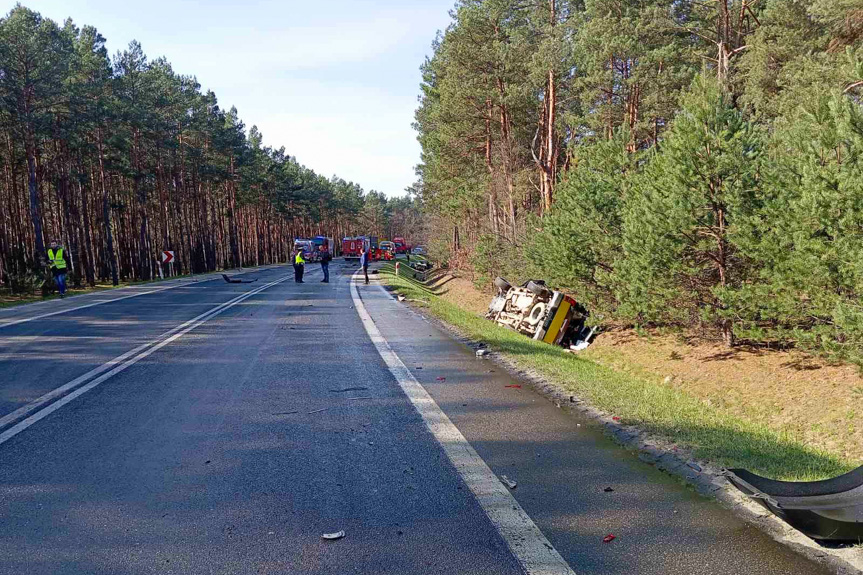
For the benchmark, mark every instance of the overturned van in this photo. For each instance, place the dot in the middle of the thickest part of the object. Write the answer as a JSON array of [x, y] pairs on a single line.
[[540, 313]]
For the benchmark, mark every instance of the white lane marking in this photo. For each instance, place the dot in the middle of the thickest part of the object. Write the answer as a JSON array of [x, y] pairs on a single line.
[[119, 364], [524, 539], [51, 395], [102, 301]]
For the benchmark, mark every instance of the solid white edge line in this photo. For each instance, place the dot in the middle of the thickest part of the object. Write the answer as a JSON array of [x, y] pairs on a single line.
[[525, 540], [154, 346]]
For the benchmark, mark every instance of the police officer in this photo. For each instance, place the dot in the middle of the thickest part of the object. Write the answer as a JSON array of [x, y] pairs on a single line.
[[326, 258], [299, 266], [58, 266]]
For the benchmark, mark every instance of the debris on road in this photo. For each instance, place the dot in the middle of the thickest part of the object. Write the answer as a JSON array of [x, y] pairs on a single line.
[[508, 482], [349, 389], [608, 538], [231, 280], [481, 352], [515, 385], [441, 379], [615, 418], [419, 367], [608, 489], [318, 410], [286, 413], [333, 536], [401, 297]]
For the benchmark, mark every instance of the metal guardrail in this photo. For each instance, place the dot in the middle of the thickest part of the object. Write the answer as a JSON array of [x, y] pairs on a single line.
[[421, 275]]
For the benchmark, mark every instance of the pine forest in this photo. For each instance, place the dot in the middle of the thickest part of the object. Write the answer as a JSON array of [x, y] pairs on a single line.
[[686, 164], [119, 158]]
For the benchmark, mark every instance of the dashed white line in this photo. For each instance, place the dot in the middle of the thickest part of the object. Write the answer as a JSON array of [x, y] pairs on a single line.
[[525, 540]]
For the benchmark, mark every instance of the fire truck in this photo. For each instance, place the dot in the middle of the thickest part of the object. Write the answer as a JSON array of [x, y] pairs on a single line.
[[328, 243], [352, 248], [308, 249], [387, 250], [402, 246]]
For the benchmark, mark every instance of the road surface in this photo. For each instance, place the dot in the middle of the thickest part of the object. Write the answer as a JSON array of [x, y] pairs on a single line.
[[209, 427]]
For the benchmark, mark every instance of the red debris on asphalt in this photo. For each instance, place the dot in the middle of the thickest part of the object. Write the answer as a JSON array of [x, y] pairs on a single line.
[[513, 385], [608, 538], [441, 379]]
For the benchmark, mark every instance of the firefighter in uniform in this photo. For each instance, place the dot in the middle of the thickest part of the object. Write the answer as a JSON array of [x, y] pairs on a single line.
[[58, 266], [299, 266]]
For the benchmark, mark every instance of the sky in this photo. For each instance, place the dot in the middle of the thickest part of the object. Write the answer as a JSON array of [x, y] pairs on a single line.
[[335, 82]]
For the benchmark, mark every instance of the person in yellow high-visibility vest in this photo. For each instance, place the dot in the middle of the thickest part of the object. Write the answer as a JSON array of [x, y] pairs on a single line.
[[57, 262], [299, 266]]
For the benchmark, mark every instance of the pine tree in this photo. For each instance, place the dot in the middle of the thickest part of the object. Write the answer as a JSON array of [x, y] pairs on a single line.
[[581, 239], [810, 241], [34, 57], [685, 217]]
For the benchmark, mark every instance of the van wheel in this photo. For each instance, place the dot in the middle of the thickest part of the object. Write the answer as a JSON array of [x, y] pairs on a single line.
[[538, 290], [502, 284]]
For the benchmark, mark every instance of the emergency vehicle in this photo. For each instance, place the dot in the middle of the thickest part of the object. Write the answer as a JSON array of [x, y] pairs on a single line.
[[387, 251], [402, 246], [308, 249]]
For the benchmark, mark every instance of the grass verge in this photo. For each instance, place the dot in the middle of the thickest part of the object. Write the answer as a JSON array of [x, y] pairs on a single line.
[[709, 432]]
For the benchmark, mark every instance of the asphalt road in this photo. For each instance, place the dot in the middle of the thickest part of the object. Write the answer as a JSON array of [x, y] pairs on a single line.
[[241, 424]]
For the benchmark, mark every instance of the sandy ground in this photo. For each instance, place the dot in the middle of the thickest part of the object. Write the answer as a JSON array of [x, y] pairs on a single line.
[[788, 390]]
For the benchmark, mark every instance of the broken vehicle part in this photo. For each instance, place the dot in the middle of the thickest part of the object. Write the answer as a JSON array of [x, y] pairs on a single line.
[[231, 280], [828, 510], [508, 482]]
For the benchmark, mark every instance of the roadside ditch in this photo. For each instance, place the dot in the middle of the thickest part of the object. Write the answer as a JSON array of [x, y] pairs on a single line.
[[679, 434]]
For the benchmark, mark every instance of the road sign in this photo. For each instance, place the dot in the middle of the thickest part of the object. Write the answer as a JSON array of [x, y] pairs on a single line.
[[167, 257]]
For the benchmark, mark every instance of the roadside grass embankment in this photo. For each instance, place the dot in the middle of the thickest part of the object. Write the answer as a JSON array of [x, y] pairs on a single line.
[[708, 432]]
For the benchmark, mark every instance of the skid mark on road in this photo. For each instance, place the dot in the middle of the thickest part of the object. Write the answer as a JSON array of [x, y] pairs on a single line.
[[524, 539]]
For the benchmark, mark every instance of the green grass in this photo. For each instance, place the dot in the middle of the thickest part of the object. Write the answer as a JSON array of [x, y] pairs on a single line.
[[709, 432]]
